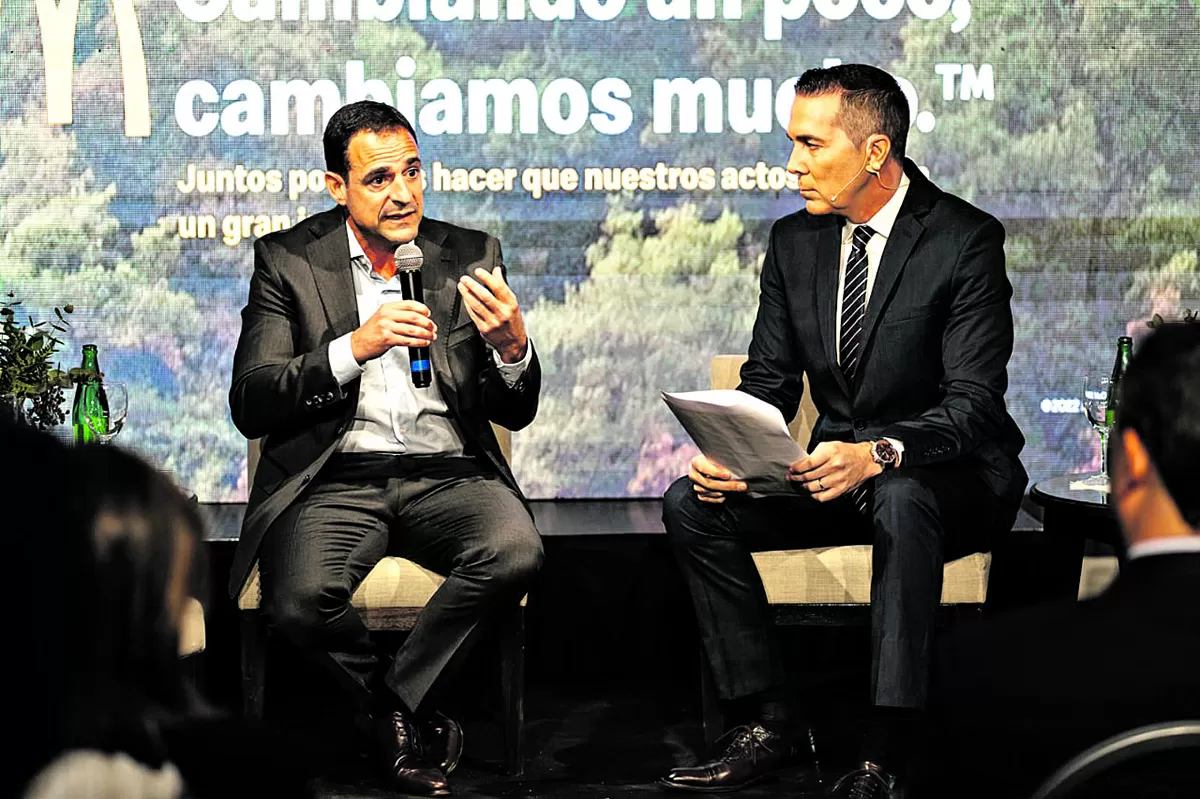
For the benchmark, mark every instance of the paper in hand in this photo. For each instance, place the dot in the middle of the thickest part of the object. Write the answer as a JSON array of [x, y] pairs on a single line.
[[747, 436]]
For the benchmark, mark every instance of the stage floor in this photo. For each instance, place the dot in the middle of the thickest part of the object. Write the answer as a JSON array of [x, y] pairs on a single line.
[[616, 746]]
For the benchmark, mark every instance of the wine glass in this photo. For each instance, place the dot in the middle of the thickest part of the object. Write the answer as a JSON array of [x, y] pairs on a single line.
[[1095, 408], [113, 420]]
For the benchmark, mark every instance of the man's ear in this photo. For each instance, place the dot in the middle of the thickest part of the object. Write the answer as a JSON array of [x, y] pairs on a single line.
[[879, 147], [336, 184], [1131, 462]]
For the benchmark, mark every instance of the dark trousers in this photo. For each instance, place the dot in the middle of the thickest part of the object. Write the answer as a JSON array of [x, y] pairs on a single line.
[[917, 518], [449, 515]]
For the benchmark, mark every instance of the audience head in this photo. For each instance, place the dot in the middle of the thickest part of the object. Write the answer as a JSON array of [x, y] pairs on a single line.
[[104, 554], [145, 539], [1156, 445]]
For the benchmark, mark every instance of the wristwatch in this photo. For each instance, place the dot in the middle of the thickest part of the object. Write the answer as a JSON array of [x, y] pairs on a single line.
[[883, 453]]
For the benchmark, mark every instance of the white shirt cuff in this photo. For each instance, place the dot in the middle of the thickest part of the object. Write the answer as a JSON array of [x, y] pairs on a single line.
[[511, 372], [341, 360], [899, 445]]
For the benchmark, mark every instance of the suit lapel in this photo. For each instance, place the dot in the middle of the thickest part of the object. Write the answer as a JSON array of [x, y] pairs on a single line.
[[329, 258], [906, 232], [439, 277], [827, 268], [900, 243]]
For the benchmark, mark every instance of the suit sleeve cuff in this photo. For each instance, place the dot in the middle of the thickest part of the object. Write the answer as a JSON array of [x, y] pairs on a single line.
[[511, 372], [341, 360], [899, 445]]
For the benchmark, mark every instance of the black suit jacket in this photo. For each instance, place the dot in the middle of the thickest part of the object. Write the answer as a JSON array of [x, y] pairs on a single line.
[[302, 298], [1015, 697], [937, 336]]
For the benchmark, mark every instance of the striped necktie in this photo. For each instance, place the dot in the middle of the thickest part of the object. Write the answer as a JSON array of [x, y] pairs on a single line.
[[854, 312], [854, 303]]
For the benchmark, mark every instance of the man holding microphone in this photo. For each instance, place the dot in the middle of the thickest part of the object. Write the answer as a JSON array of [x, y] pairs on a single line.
[[361, 458]]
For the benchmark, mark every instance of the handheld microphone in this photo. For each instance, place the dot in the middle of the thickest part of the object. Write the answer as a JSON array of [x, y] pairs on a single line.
[[408, 268]]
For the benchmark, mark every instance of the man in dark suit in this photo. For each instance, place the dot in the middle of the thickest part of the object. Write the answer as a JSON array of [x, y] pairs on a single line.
[[1030, 689], [357, 462], [891, 296]]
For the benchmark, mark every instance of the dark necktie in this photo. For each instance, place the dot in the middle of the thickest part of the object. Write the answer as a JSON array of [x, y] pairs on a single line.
[[854, 303], [854, 312]]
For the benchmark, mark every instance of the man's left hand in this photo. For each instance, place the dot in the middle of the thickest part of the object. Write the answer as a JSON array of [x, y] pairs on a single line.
[[494, 310], [833, 468]]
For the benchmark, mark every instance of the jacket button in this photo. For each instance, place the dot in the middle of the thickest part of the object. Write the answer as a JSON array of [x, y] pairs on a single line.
[[308, 402], [329, 396], [304, 481], [860, 425]]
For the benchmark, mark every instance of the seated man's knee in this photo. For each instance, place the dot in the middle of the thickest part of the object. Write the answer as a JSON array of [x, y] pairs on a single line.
[[303, 612], [905, 506], [898, 488], [683, 511], [511, 562]]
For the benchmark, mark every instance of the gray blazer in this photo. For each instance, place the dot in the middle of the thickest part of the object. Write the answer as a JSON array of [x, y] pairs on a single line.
[[301, 298]]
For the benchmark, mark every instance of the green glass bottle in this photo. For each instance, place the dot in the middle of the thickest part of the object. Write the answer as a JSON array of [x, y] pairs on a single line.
[[90, 401], [1113, 401]]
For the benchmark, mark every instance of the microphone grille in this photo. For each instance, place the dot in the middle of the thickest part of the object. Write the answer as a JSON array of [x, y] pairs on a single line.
[[409, 257]]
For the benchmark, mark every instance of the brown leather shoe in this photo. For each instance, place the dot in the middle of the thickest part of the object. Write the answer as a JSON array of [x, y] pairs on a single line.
[[752, 754], [442, 738], [401, 749]]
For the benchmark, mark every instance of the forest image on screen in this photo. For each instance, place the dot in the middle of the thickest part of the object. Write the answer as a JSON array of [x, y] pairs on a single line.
[[629, 155]]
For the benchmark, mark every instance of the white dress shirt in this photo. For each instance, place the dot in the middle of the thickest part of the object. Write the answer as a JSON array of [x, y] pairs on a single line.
[[393, 416], [881, 223], [1172, 545]]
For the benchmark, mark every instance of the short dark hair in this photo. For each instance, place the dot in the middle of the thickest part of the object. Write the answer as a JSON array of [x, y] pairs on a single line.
[[1160, 401], [142, 529], [354, 118], [872, 101]]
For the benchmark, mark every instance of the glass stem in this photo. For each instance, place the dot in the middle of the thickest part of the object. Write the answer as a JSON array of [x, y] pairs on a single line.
[[1104, 452]]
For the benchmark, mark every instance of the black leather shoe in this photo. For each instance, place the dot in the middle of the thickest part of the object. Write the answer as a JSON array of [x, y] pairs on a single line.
[[402, 760], [752, 754], [868, 781], [442, 738]]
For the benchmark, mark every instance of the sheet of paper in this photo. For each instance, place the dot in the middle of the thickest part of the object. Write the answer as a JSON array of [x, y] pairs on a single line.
[[747, 436]]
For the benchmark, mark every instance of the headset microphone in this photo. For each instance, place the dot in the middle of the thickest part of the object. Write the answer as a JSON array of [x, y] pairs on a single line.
[[833, 199]]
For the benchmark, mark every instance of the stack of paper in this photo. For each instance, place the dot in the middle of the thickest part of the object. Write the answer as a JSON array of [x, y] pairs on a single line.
[[747, 436]]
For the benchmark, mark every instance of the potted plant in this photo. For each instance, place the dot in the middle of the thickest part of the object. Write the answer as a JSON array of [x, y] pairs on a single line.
[[31, 384]]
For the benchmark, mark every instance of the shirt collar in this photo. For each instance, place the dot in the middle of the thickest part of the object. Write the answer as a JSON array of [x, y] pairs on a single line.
[[358, 257], [1165, 546], [885, 217]]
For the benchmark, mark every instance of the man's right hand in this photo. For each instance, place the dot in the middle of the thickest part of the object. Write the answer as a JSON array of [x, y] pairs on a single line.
[[712, 482], [395, 324]]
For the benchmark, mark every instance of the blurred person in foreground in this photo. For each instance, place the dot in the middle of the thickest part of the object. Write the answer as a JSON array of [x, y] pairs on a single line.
[[1017, 696], [358, 462], [891, 296], [131, 723], [44, 544]]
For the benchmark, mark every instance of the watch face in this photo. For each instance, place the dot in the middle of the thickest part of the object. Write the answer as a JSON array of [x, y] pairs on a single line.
[[884, 453]]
